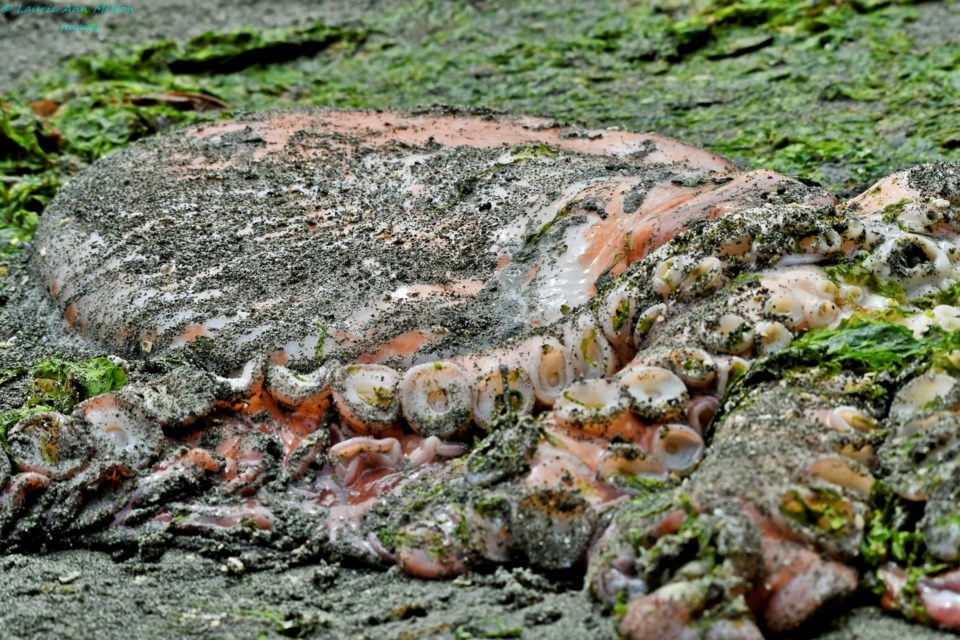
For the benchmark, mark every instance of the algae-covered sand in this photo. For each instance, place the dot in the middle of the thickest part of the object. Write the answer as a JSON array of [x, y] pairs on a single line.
[[834, 92]]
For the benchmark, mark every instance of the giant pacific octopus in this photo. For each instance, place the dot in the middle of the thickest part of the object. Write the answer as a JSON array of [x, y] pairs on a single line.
[[449, 341]]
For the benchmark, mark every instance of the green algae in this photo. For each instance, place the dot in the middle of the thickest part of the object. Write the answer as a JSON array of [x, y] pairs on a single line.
[[876, 350], [288, 625], [835, 92], [58, 385], [893, 534], [856, 345], [852, 271]]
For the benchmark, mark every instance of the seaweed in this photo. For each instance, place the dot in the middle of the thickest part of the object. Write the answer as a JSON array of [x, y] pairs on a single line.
[[852, 271], [893, 534], [856, 345], [58, 385]]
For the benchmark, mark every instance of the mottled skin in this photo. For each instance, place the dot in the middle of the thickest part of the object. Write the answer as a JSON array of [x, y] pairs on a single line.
[[361, 235], [759, 478]]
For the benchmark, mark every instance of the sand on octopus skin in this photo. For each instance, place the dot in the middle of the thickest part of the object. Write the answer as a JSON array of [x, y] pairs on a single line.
[[299, 233]]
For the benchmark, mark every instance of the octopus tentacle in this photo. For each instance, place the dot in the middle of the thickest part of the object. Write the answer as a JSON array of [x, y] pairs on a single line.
[[17, 494]]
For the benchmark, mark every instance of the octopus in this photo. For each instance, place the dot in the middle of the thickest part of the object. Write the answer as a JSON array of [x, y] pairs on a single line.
[[447, 341]]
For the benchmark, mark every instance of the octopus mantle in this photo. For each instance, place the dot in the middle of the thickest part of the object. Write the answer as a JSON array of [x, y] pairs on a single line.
[[360, 296]]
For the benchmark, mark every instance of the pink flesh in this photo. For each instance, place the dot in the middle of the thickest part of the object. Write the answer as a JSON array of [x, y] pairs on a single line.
[[190, 333], [405, 344], [662, 222], [21, 486], [801, 581], [700, 411], [423, 563], [617, 223], [943, 605], [569, 458], [939, 595], [453, 131], [619, 238], [658, 616], [368, 469], [883, 193]]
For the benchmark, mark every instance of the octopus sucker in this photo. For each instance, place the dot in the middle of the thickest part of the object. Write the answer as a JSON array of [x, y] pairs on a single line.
[[595, 405], [436, 398], [307, 392], [655, 394], [551, 370], [616, 316], [630, 461], [499, 390], [512, 342], [591, 353], [772, 337], [678, 447], [367, 397]]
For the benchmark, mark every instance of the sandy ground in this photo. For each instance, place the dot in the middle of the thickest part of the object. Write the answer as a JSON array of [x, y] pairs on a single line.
[[78, 594], [31, 42], [87, 594]]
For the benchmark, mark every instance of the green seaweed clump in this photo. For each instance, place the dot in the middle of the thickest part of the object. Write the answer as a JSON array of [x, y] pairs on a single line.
[[856, 345], [58, 385], [892, 535]]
